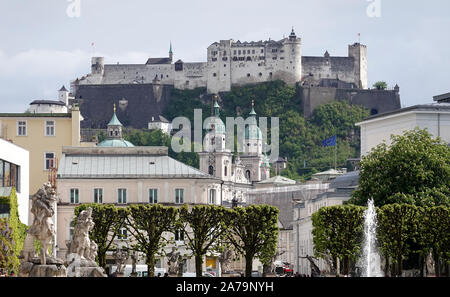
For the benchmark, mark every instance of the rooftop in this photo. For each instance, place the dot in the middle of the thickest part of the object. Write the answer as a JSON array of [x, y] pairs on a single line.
[[421, 107], [49, 102], [442, 97], [36, 115], [134, 162]]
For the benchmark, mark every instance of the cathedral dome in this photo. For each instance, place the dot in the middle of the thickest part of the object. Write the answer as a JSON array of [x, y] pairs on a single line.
[[114, 136]]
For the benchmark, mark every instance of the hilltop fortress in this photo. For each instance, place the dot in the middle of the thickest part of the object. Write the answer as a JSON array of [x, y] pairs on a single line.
[[142, 92], [237, 63]]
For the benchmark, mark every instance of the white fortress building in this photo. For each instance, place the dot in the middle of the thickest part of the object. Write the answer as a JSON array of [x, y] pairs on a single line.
[[235, 63]]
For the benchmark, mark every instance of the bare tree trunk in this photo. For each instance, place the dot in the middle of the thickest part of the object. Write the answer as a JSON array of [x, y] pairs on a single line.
[[198, 266]]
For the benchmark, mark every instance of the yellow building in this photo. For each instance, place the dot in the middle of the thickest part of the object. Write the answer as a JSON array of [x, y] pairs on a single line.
[[43, 135]]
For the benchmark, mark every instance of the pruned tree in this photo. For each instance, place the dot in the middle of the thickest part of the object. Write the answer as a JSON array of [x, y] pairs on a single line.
[[397, 228], [108, 221], [146, 224], [254, 233], [203, 226], [338, 232]]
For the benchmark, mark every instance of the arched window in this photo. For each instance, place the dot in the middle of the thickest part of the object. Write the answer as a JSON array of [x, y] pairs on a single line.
[[247, 174], [225, 173], [211, 170]]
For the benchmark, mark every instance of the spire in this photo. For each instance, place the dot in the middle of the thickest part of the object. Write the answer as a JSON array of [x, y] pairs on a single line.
[[63, 89], [114, 120], [292, 36], [170, 52], [253, 113]]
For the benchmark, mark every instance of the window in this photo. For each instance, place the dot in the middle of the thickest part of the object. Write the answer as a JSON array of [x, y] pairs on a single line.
[[248, 74], [21, 128], [225, 173], [49, 161], [98, 195], [152, 196], [122, 196], [74, 196], [122, 234], [212, 196], [179, 235], [49, 128], [247, 174], [214, 74], [7, 174], [179, 196], [211, 170]]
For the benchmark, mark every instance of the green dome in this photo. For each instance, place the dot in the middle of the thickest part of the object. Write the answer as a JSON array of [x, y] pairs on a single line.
[[219, 126], [252, 132], [115, 143]]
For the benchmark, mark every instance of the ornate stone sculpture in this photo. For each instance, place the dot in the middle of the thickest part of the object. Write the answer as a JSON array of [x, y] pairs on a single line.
[[82, 251], [225, 259], [42, 230], [173, 259], [431, 270], [120, 256], [315, 271]]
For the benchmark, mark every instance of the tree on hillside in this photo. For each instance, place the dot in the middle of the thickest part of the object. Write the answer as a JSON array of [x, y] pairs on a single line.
[[147, 223], [415, 169], [108, 220], [203, 227], [338, 232], [254, 233]]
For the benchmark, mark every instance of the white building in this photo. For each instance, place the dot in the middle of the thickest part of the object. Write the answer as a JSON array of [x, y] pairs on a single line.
[[52, 106], [160, 123], [340, 190], [15, 172], [435, 117]]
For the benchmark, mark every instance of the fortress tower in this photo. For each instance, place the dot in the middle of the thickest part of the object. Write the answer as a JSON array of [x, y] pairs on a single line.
[[359, 53]]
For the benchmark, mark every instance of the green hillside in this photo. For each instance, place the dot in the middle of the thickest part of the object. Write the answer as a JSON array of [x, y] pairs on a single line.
[[300, 139]]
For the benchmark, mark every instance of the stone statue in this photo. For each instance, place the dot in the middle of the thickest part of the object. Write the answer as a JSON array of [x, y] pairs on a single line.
[[80, 259], [81, 244], [315, 271], [430, 264], [42, 229], [134, 259], [173, 258], [120, 256], [225, 259]]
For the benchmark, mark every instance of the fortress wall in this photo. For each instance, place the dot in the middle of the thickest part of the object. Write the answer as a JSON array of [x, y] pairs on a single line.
[[142, 73], [141, 103], [376, 101], [332, 67]]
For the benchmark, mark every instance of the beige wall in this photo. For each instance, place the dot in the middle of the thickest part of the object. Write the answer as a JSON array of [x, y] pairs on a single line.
[[67, 132], [195, 192]]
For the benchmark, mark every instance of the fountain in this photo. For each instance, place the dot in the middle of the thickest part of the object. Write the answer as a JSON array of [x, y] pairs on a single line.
[[370, 257]]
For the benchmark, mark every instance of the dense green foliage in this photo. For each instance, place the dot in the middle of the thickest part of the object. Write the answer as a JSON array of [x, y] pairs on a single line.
[[403, 232], [108, 220], [12, 234], [300, 139], [254, 233], [203, 226], [414, 169], [146, 137], [147, 223], [337, 232], [380, 85]]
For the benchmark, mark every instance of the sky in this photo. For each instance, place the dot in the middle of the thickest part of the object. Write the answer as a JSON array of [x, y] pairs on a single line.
[[48, 43]]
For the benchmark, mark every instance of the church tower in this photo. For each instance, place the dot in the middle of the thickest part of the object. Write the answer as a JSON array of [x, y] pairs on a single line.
[[170, 52], [215, 159], [256, 166]]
